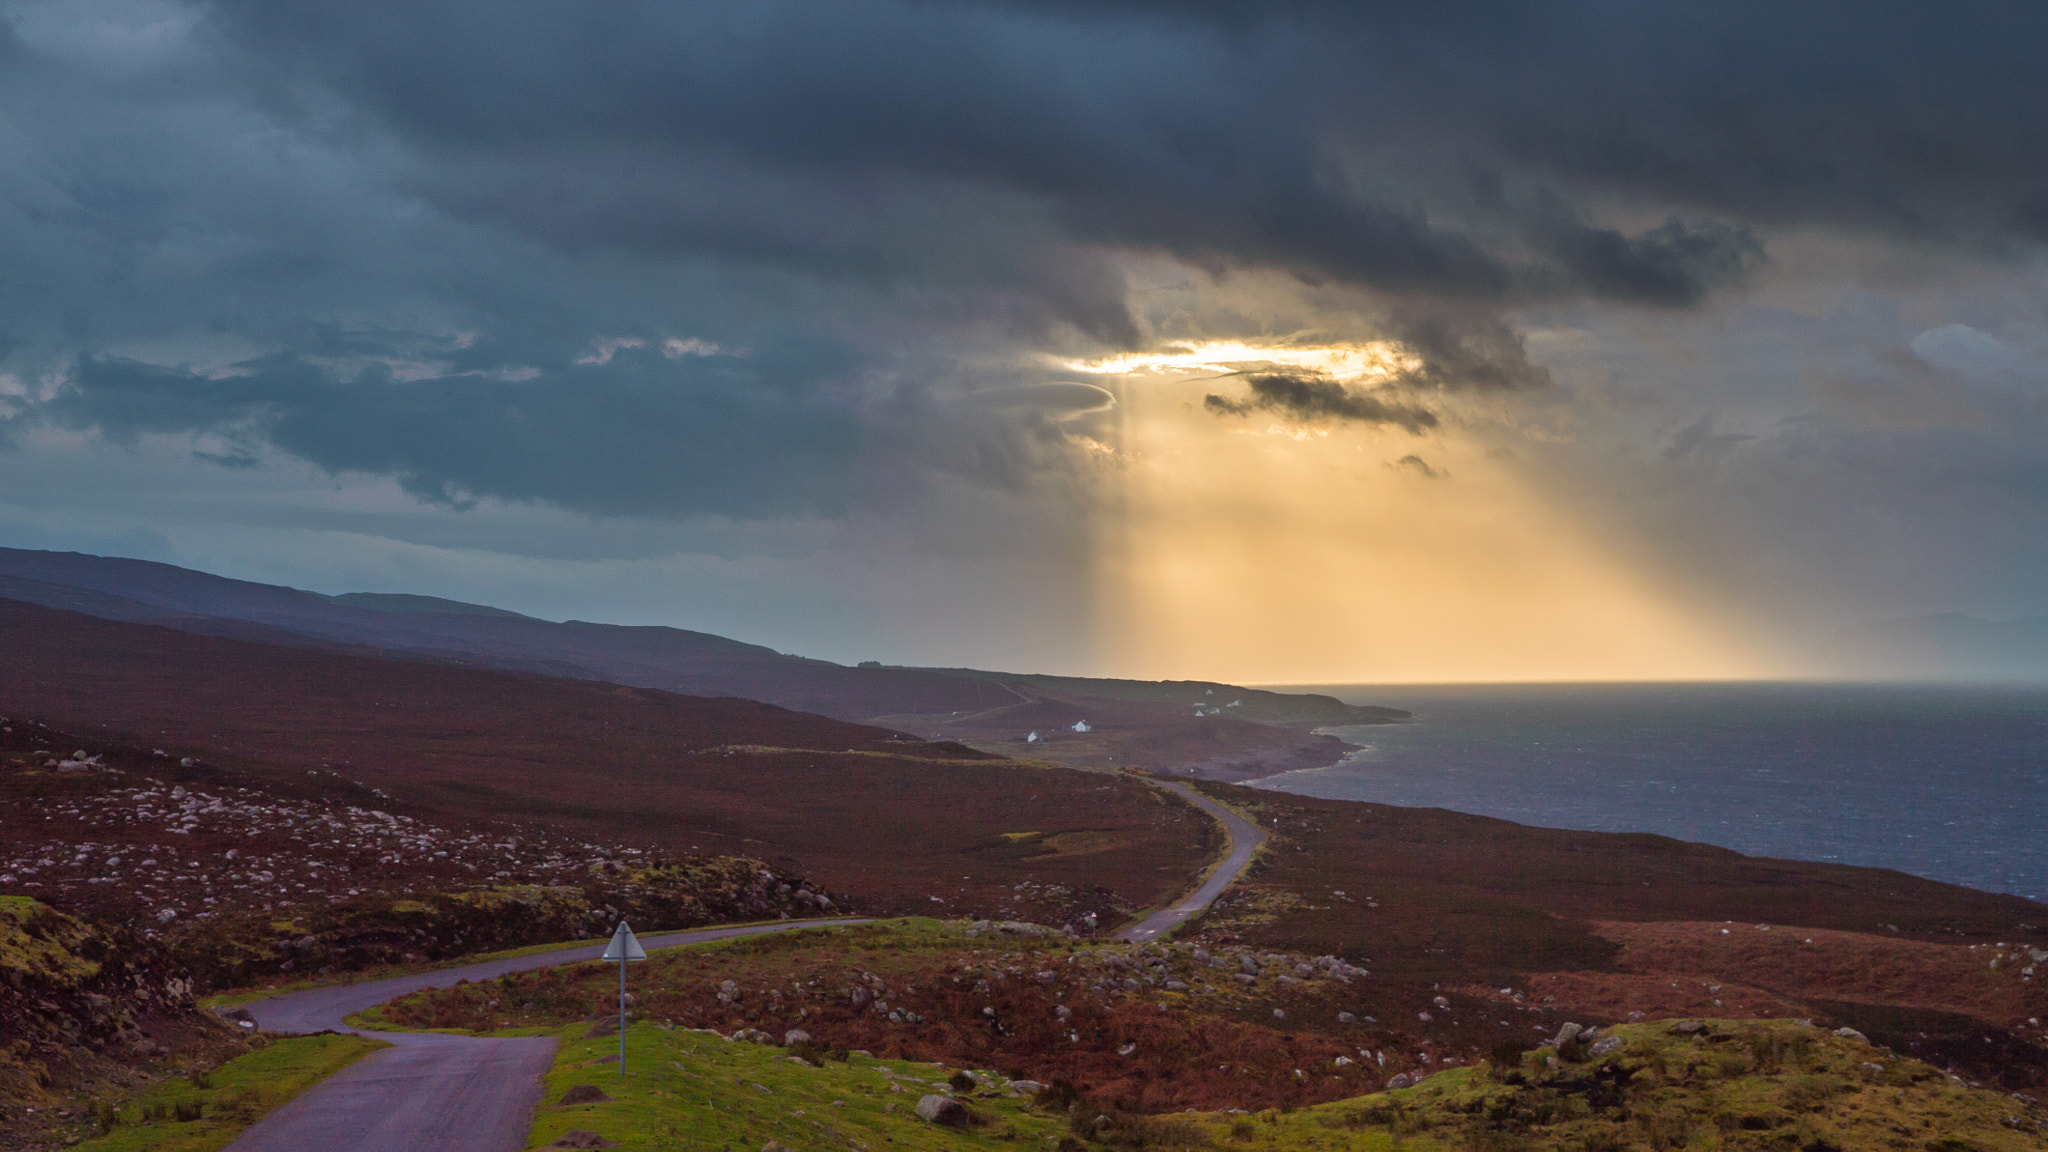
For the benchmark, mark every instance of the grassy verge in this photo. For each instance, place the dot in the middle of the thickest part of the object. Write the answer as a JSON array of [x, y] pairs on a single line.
[[1727, 1085], [697, 1089], [184, 1116]]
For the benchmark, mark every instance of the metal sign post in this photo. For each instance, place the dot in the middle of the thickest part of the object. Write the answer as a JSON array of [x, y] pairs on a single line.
[[624, 947]]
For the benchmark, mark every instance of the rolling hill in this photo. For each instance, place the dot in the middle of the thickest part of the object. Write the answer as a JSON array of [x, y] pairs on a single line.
[[1139, 723]]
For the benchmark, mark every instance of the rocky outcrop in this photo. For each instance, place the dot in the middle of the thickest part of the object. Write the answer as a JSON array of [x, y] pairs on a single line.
[[77, 997]]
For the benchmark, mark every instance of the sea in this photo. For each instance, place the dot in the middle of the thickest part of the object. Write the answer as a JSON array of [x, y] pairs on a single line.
[[1949, 782]]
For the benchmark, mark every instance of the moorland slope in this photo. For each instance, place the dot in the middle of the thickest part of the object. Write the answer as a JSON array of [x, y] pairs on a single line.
[[903, 822]]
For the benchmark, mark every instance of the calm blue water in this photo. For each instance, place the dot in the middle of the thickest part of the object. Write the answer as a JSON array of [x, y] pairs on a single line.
[[1945, 782]]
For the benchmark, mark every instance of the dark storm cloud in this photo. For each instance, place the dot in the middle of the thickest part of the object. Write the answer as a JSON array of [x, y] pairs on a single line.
[[640, 436], [884, 140], [1320, 400], [862, 193], [1325, 139]]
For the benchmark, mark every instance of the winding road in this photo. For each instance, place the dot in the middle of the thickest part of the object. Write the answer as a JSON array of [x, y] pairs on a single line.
[[1245, 838], [428, 1091]]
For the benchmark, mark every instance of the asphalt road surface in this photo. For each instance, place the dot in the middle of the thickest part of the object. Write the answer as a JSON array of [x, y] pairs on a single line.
[[1245, 837], [428, 1092]]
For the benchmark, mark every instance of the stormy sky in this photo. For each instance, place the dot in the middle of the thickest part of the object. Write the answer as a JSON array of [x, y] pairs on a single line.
[[895, 330]]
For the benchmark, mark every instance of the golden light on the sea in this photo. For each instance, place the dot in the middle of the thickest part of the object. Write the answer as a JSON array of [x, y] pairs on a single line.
[[1253, 549]]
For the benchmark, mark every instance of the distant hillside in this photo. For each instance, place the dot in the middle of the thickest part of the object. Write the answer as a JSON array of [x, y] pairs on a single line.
[[1157, 722], [863, 810], [1948, 646]]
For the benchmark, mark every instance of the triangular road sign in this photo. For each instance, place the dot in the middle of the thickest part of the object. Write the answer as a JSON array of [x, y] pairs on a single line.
[[624, 946]]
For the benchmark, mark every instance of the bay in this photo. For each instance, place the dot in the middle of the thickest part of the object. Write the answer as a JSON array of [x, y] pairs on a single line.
[[1944, 781]]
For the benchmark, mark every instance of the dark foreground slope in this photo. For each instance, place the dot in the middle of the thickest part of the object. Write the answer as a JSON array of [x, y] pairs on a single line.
[[1236, 732], [891, 819]]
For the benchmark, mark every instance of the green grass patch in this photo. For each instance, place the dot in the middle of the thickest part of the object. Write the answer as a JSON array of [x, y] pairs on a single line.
[[694, 1089], [1734, 1084], [206, 1112]]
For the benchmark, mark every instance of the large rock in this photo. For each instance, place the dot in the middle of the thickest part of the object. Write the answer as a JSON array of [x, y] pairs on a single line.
[[942, 1110]]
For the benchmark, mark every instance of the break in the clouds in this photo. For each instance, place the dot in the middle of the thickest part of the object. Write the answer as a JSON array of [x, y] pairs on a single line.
[[797, 259]]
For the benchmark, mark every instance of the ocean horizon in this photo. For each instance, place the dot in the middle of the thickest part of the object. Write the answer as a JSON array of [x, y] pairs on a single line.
[[1945, 781]]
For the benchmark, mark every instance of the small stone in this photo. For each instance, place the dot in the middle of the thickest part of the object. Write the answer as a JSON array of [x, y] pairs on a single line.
[[1279, 1014], [1852, 1034], [795, 1036], [1689, 1027], [1605, 1045], [1399, 1080], [1347, 1018]]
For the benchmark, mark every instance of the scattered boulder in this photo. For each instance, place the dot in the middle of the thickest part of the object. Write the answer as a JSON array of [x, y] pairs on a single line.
[[942, 1110], [1347, 1017], [1027, 1087], [795, 1036], [584, 1094], [1690, 1027], [1604, 1045], [1852, 1034], [1567, 1034], [1399, 1080]]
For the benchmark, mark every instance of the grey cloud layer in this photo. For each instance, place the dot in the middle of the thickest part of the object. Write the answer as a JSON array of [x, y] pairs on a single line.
[[379, 235]]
